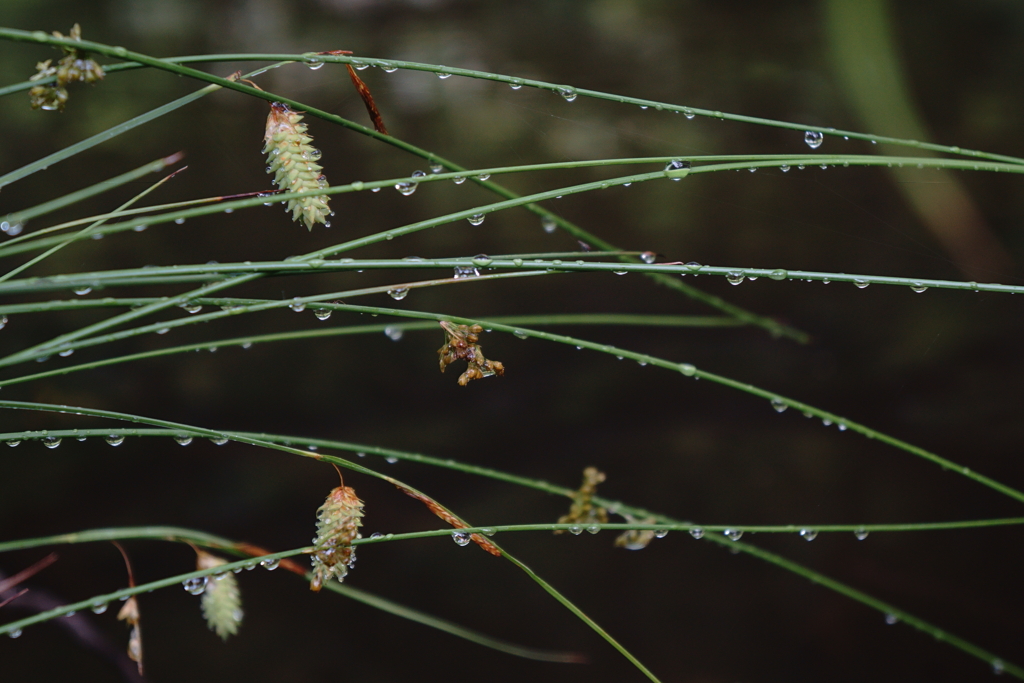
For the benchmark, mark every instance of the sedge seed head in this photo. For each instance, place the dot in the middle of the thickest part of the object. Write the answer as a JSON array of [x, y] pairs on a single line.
[[293, 162]]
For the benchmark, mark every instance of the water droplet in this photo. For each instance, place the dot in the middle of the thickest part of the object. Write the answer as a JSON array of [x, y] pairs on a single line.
[[548, 223], [687, 369], [694, 266], [861, 284], [520, 334], [568, 93], [82, 291], [808, 534], [3, 321], [443, 76], [391, 460], [219, 440], [51, 441], [99, 608], [826, 422], [515, 84], [179, 221], [436, 168], [393, 333], [891, 619], [388, 68], [461, 538], [778, 274], [114, 439], [593, 528], [734, 277], [688, 114], [575, 530], [860, 533], [779, 405], [406, 188], [376, 534], [482, 260], [733, 534], [322, 313], [16, 633], [314, 64], [476, 219], [398, 293], [190, 307], [12, 443], [678, 168], [297, 305], [998, 667], [661, 533], [697, 532], [814, 139], [66, 352], [461, 272], [917, 287], [484, 176], [183, 439], [648, 257], [270, 565], [459, 179], [195, 586], [784, 168]]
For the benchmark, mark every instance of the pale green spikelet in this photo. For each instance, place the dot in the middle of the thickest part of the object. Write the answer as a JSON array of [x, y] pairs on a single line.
[[337, 525], [221, 601], [292, 160]]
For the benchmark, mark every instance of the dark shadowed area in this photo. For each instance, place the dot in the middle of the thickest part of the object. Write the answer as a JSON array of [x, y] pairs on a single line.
[[937, 369]]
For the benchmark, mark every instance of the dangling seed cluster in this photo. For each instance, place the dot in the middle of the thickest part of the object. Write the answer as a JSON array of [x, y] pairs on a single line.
[[73, 67], [221, 601], [337, 525], [461, 344], [293, 161], [582, 510]]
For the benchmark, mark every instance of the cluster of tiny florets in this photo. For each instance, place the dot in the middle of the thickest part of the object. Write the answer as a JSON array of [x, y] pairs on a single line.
[[337, 525], [293, 161]]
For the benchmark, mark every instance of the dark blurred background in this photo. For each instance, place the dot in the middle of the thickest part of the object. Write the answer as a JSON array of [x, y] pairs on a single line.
[[937, 369]]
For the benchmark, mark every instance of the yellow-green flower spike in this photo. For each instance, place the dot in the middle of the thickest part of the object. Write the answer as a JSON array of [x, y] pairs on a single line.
[[293, 161]]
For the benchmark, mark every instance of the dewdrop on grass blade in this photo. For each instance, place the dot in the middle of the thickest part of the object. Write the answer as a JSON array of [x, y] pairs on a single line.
[[337, 525]]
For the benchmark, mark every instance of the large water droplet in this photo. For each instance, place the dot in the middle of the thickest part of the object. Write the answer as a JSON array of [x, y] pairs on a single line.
[[476, 219], [860, 533], [779, 405], [297, 306], [322, 313], [51, 441], [183, 439], [918, 287], [394, 333], [196, 586], [733, 534], [13, 442], [677, 169], [575, 530], [406, 188], [778, 274], [593, 528], [270, 565], [482, 260], [734, 277], [398, 293], [443, 76], [648, 257], [99, 608], [861, 284], [697, 532], [82, 291], [814, 139], [661, 533], [388, 68], [520, 334], [314, 64], [461, 272], [568, 93], [784, 168], [114, 439], [219, 440], [998, 667], [461, 538], [459, 179], [16, 633], [548, 223], [808, 534], [687, 369], [891, 619], [436, 168], [190, 307]]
